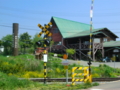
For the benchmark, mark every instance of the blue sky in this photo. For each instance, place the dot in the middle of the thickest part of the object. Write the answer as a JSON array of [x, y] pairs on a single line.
[[29, 13]]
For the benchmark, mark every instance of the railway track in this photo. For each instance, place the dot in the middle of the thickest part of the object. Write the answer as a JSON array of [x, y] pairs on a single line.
[[69, 79]]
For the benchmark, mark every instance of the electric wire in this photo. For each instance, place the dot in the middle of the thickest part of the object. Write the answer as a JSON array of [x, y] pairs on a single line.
[[40, 29]]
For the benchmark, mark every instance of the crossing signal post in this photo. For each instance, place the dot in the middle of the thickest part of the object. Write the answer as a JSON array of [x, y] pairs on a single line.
[[46, 43], [45, 60], [91, 41]]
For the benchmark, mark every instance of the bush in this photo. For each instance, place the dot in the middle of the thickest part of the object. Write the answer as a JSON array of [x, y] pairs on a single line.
[[51, 54], [103, 71], [27, 66], [60, 55], [11, 82], [70, 51]]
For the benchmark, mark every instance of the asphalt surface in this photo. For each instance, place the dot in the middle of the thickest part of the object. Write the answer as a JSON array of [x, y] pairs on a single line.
[[115, 85], [85, 63]]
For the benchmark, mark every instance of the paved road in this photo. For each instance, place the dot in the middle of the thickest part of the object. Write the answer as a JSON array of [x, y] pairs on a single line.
[[84, 63], [115, 85]]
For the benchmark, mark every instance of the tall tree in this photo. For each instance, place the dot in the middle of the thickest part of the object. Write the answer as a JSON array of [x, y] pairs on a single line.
[[7, 43], [0, 42], [25, 41]]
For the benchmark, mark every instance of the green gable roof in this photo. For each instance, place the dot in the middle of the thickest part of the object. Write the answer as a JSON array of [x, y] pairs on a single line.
[[87, 33], [68, 28], [111, 44]]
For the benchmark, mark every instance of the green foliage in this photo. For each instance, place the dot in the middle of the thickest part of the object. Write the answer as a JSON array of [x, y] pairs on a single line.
[[60, 55], [83, 86], [28, 67], [70, 51], [7, 43], [30, 50], [1, 42], [25, 41], [95, 84], [51, 43], [19, 64], [104, 71], [98, 54], [12, 83], [51, 54], [10, 66]]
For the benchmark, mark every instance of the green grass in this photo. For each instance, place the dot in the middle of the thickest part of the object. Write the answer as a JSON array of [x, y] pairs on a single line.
[[27, 66], [105, 71], [12, 83]]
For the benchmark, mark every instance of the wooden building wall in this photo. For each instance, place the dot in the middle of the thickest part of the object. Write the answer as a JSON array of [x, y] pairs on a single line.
[[56, 35]]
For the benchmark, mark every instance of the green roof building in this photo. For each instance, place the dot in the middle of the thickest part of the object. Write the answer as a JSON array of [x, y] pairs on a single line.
[[72, 34]]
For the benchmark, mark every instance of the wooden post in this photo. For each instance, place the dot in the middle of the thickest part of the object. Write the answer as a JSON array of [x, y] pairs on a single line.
[[15, 39]]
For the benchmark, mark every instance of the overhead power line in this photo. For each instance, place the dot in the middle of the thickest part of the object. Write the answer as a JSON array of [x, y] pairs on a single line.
[[40, 29], [21, 28]]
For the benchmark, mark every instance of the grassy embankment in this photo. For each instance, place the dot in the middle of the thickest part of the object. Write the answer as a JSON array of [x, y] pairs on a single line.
[[25, 66]]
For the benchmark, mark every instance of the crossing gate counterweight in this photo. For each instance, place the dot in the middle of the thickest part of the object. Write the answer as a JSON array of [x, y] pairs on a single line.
[[85, 74]]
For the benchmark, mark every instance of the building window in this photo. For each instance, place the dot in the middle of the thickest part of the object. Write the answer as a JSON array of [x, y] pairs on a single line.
[[104, 39], [55, 30], [97, 40]]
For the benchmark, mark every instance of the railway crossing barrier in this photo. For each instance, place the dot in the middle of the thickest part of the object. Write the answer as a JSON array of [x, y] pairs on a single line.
[[76, 75]]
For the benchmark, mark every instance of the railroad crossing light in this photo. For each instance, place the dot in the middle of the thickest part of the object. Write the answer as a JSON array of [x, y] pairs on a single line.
[[47, 42], [39, 43]]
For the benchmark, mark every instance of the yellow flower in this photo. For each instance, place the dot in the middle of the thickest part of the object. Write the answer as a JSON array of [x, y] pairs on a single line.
[[5, 63], [10, 74], [58, 70]]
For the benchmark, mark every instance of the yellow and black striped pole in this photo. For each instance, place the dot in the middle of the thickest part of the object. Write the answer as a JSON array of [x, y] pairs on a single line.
[[91, 41], [45, 67], [45, 72]]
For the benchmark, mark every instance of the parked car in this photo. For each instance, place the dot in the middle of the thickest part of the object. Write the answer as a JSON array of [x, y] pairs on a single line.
[[106, 59]]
